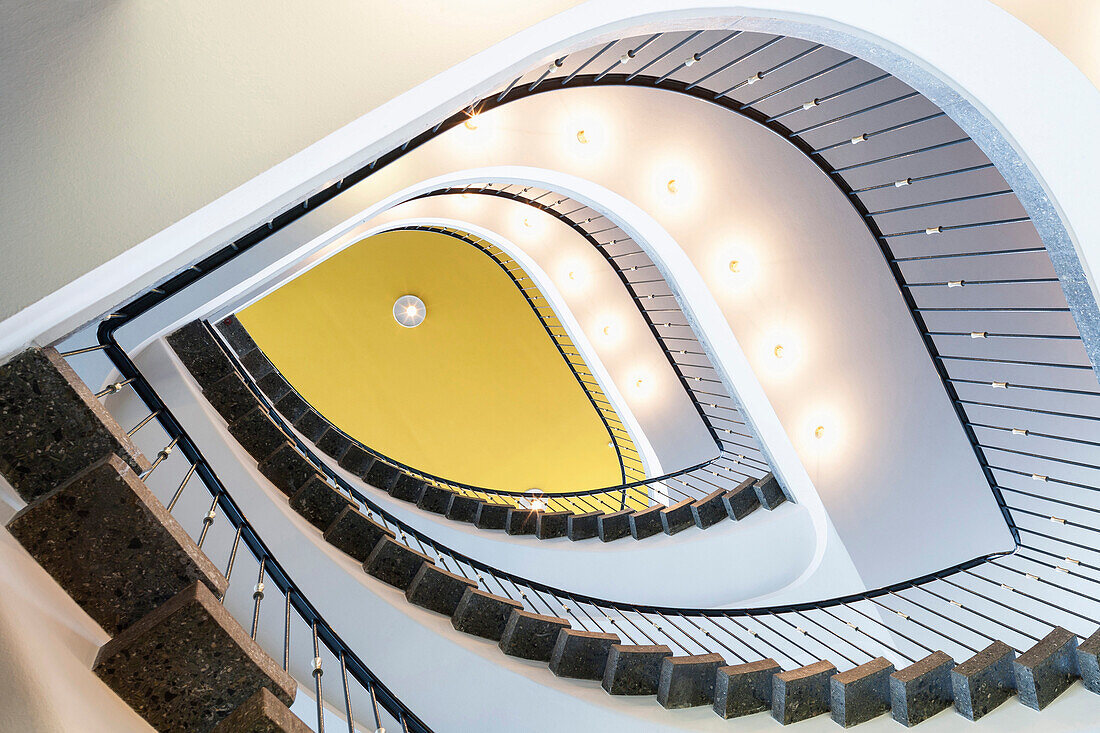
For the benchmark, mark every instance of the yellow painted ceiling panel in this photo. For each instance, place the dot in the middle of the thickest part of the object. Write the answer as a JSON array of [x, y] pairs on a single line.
[[477, 393]]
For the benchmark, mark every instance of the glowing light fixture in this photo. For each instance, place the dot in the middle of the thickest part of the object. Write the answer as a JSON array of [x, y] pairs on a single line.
[[672, 185], [778, 351], [819, 432], [582, 138], [409, 311], [735, 266], [471, 122]]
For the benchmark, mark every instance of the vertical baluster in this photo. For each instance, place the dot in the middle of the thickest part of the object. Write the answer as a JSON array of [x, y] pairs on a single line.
[[347, 693], [317, 672], [257, 596]]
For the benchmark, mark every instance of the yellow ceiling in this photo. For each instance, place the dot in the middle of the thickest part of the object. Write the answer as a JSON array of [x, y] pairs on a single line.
[[478, 393]]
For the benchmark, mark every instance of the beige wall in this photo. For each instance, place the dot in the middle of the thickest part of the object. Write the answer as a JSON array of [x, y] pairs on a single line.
[[1073, 26]]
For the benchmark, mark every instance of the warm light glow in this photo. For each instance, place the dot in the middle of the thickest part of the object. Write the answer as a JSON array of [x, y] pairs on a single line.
[[735, 266], [819, 432], [672, 185], [527, 222], [409, 311], [538, 505], [582, 138], [471, 123], [639, 383], [778, 351]]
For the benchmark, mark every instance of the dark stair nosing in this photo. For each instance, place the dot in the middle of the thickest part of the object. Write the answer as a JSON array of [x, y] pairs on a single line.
[[769, 492], [407, 488], [741, 501], [257, 434], [687, 682], [262, 713], [647, 522], [678, 517], [549, 525], [801, 693], [492, 515], [1087, 664], [356, 461], [614, 526], [709, 510], [434, 499], [236, 335], [1047, 669], [462, 508], [392, 562], [437, 589], [319, 503], [634, 669], [922, 689], [355, 533], [483, 614], [531, 635], [520, 521], [582, 526], [984, 681], [581, 654], [859, 694], [287, 469], [230, 396], [744, 689], [334, 444], [200, 353], [311, 425]]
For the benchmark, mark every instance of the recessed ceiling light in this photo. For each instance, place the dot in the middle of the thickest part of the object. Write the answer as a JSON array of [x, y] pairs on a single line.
[[672, 186], [409, 311]]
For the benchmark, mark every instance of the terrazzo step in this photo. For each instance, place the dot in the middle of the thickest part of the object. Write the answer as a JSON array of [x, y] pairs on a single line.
[[483, 614], [709, 510], [437, 589], [319, 503], [582, 526], [634, 669], [1047, 669], [231, 397], [311, 425], [581, 654], [287, 469], [262, 713], [200, 353], [52, 426], [235, 334], [334, 444], [292, 407], [647, 522], [520, 521], [356, 461], [744, 689], [614, 526], [801, 693], [678, 517], [922, 689], [407, 488], [549, 525], [1087, 663], [392, 562], [462, 508], [275, 386], [741, 501], [257, 434], [492, 515], [531, 635], [984, 681], [769, 492], [434, 499], [188, 664], [112, 545], [257, 364], [687, 682], [859, 694], [383, 476], [355, 533]]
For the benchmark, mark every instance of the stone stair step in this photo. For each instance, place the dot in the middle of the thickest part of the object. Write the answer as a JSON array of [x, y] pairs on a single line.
[[437, 589], [188, 664], [741, 501], [520, 521], [634, 669], [311, 425], [52, 426], [392, 562], [647, 522], [801, 693], [678, 517], [483, 614], [334, 444], [355, 533], [200, 353], [112, 545], [287, 469], [356, 461], [744, 689], [549, 525], [256, 364], [292, 407], [383, 476], [582, 526], [257, 434], [531, 635], [922, 689], [581, 654], [1047, 669], [859, 694], [407, 488], [462, 508], [262, 713], [235, 334], [319, 503], [769, 492], [275, 386], [492, 515], [984, 681], [434, 499], [1087, 664], [614, 526], [231, 397], [687, 682], [709, 510]]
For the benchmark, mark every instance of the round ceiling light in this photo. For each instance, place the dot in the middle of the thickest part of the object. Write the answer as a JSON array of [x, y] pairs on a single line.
[[409, 311]]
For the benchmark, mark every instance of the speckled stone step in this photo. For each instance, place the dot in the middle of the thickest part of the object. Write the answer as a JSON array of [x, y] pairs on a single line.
[[741, 501], [257, 434], [52, 426], [311, 425], [462, 508], [1047, 669], [551, 524], [392, 562], [274, 386], [984, 681], [769, 492], [236, 336], [383, 476], [801, 693], [355, 533], [483, 614], [319, 503], [287, 469], [520, 521], [647, 522], [491, 515], [262, 713], [531, 635], [922, 689], [356, 461], [677, 517], [615, 526], [434, 499], [744, 689], [292, 407], [859, 694], [256, 364], [634, 669], [112, 545], [231, 397], [581, 654], [200, 353], [407, 488], [334, 444], [188, 664], [582, 526], [687, 682], [1088, 665], [437, 589], [708, 511]]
